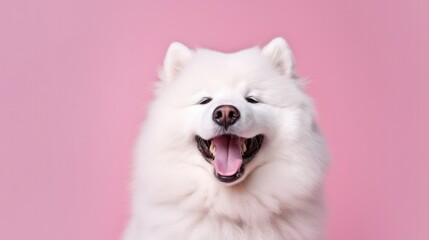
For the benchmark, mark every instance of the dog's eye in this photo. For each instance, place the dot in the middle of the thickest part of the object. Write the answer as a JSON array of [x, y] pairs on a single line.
[[204, 100], [252, 100]]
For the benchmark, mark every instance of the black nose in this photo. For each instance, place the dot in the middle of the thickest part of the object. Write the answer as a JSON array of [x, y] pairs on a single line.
[[226, 115]]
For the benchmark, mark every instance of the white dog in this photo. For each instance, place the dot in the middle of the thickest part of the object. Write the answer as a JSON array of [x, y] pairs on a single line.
[[230, 150]]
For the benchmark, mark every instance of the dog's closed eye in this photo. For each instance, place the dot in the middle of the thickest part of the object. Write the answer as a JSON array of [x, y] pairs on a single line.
[[252, 100], [204, 100]]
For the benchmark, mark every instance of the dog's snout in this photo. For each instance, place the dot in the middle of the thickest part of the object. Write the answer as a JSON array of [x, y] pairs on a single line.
[[226, 115]]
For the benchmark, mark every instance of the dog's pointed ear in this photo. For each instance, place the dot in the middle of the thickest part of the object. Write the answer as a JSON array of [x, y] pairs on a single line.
[[177, 56], [281, 57]]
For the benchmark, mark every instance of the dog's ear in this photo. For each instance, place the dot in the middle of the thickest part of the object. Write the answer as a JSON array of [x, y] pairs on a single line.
[[281, 57], [176, 57]]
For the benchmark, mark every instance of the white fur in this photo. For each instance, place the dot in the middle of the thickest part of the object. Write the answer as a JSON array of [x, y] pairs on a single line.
[[174, 192]]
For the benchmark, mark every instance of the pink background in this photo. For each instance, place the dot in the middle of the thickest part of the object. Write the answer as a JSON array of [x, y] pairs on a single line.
[[76, 75]]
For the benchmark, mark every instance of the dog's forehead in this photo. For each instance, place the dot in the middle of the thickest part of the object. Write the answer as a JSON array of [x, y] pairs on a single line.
[[228, 75], [228, 63]]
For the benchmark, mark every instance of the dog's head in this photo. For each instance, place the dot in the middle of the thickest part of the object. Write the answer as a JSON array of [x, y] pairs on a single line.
[[233, 106]]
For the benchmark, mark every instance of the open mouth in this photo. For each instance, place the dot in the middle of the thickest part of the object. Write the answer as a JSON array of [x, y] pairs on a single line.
[[229, 154]]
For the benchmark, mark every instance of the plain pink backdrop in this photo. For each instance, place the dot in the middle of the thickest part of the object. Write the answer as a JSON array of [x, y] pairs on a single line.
[[76, 76]]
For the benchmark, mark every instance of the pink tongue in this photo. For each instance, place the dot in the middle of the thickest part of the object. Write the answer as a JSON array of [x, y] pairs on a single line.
[[228, 159]]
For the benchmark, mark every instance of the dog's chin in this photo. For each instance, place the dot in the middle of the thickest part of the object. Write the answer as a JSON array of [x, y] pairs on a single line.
[[229, 155]]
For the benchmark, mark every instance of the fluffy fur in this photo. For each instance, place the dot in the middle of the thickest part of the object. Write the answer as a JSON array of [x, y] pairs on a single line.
[[174, 192]]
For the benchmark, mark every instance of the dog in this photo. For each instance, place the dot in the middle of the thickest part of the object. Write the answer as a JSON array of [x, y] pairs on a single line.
[[230, 149]]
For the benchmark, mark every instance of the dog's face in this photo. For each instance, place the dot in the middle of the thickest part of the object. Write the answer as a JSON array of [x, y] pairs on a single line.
[[233, 106]]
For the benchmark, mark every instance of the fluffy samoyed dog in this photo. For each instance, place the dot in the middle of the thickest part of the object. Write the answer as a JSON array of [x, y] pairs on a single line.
[[230, 150]]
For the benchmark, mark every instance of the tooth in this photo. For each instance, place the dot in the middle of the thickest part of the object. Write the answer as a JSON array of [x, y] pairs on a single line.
[[212, 149], [243, 148]]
